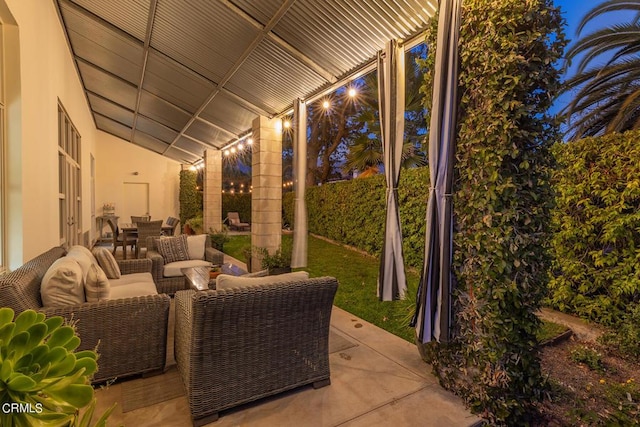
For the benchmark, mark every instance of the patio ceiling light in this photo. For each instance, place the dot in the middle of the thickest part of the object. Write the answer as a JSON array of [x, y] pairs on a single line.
[[227, 152], [352, 92], [250, 141], [287, 124], [240, 147], [326, 104]]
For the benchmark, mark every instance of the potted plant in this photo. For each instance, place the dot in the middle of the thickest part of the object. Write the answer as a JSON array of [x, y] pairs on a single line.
[[43, 380], [218, 237], [278, 262], [193, 225]]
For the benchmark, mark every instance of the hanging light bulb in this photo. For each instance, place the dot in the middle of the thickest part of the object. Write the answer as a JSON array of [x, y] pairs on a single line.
[[326, 104], [352, 92], [227, 152], [240, 147], [250, 141]]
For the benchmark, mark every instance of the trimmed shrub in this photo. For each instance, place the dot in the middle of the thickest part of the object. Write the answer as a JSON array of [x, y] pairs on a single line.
[[240, 203], [353, 212], [597, 227], [190, 197], [502, 202]]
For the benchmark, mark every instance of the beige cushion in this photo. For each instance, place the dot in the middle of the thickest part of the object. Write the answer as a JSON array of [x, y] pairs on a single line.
[[173, 248], [96, 284], [227, 281], [133, 285], [196, 246], [173, 268], [62, 284], [84, 257], [107, 262]]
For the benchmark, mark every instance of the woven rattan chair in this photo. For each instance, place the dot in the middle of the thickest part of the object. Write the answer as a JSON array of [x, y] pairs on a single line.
[[242, 344], [173, 222], [147, 229], [143, 218], [169, 285], [118, 239], [130, 333]]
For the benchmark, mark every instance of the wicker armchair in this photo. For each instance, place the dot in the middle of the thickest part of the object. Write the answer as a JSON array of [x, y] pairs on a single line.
[[238, 345], [130, 333], [169, 285]]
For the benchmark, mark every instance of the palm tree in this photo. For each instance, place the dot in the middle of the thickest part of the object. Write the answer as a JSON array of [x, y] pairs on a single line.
[[607, 96], [365, 150]]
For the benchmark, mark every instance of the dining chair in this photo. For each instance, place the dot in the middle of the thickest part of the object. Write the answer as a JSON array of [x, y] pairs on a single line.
[[118, 238], [173, 222], [147, 229], [143, 218]]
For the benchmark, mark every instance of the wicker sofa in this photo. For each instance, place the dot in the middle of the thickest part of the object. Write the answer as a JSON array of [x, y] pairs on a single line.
[[238, 345], [131, 332], [169, 284]]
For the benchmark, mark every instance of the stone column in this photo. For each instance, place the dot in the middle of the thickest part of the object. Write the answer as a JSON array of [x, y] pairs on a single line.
[[266, 199], [212, 192]]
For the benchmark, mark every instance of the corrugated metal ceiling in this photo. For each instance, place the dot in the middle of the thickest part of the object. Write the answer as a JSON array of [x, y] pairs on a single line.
[[177, 77]]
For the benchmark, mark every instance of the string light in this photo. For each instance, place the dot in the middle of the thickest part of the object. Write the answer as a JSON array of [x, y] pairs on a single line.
[[326, 104]]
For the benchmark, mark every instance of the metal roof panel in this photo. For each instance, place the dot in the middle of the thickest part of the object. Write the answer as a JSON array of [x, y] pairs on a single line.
[[128, 15]]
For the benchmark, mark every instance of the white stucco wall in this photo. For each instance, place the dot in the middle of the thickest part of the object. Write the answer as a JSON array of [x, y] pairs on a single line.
[[46, 74], [117, 161]]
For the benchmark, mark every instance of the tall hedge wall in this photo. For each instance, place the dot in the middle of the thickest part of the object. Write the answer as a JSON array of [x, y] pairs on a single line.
[[237, 202], [502, 202], [190, 197], [353, 212], [597, 227]]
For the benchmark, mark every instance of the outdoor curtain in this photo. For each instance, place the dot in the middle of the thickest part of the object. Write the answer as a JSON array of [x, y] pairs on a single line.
[[299, 254], [392, 283], [433, 308]]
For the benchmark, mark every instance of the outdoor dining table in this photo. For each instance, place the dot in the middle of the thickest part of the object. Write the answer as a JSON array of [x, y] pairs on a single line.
[[129, 228]]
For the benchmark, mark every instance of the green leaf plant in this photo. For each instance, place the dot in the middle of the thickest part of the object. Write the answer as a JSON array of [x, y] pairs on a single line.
[[43, 380], [508, 50]]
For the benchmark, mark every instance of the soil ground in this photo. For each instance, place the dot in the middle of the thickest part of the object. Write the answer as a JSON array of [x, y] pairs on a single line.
[[606, 393]]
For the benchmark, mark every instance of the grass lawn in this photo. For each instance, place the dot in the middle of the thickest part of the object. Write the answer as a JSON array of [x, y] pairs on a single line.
[[357, 275]]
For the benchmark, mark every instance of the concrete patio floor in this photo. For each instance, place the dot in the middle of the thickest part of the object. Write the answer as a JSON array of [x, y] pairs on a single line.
[[377, 379]]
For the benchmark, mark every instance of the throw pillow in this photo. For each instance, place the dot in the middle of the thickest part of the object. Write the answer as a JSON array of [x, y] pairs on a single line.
[[174, 249], [96, 285], [227, 281], [62, 284], [196, 246], [107, 262], [85, 259]]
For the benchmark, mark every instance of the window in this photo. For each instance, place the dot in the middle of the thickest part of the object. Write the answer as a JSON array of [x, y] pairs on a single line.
[[69, 181]]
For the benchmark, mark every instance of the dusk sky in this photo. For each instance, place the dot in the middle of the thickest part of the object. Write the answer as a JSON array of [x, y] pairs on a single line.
[[573, 11]]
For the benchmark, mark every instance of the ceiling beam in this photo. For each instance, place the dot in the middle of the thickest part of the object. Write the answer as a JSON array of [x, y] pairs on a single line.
[[317, 68], [282, 10], [145, 59]]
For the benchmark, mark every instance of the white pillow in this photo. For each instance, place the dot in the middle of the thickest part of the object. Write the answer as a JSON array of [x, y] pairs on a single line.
[[62, 284], [227, 281], [96, 284], [195, 245], [85, 259]]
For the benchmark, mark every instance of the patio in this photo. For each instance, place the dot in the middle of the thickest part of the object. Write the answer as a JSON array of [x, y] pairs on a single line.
[[376, 378]]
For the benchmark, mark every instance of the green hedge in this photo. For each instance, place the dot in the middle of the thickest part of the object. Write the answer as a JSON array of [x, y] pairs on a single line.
[[353, 212], [190, 197], [596, 243], [240, 203]]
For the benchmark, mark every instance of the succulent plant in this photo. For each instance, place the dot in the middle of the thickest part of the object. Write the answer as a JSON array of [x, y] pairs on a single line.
[[43, 380]]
